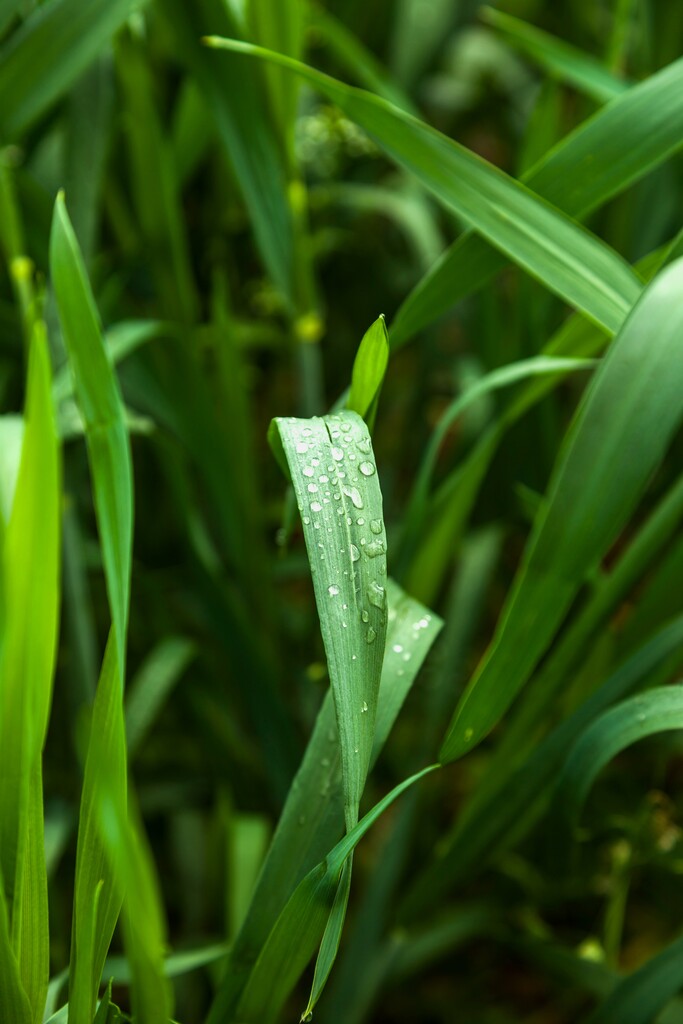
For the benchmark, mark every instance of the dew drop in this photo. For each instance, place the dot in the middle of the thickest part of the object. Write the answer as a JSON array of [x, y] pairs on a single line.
[[469, 733], [312, 488], [355, 553], [306, 520], [375, 548], [301, 448], [337, 454], [370, 636], [376, 525], [354, 494], [364, 707], [364, 446], [377, 595], [360, 521], [365, 615], [333, 590], [316, 507], [367, 468], [397, 648], [308, 471], [324, 479]]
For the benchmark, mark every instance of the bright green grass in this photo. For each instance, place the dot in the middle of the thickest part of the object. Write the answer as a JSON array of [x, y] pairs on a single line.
[[340, 716]]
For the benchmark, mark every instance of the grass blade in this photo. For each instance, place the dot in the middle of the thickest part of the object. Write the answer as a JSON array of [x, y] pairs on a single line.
[[589, 167], [620, 433], [29, 616], [575, 265], [560, 59], [301, 925], [61, 38], [647, 714], [368, 372], [640, 997], [316, 796], [100, 403], [335, 481]]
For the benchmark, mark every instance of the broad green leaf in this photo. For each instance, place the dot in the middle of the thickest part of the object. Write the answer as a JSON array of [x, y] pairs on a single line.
[[335, 481], [234, 92], [301, 925], [640, 997], [647, 714], [61, 38], [590, 166], [574, 264], [98, 890], [621, 431], [29, 616], [452, 504], [368, 372], [100, 403], [560, 59], [313, 815]]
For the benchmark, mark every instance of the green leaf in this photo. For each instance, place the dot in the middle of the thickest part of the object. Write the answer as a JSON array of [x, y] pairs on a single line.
[[562, 60], [368, 371], [11, 439], [234, 92], [98, 890], [300, 927], [280, 27], [61, 38], [639, 998], [100, 403], [337, 490], [29, 617], [567, 259], [620, 433], [503, 377], [313, 815], [590, 166], [647, 714], [151, 685]]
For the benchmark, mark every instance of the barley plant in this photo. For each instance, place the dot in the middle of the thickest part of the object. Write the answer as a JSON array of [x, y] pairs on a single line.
[[341, 562]]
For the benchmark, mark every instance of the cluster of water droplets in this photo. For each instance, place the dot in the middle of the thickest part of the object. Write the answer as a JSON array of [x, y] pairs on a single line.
[[331, 476]]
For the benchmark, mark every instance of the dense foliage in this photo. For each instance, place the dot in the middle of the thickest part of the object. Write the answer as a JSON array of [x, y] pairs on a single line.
[[341, 613]]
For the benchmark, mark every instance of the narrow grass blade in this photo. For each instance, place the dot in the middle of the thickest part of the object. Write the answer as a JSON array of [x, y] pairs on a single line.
[[29, 616], [300, 927], [560, 59], [11, 440], [151, 685], [360, 62], [143, 918], [568, 260], [97, 892], [329, 946], [647, 714], [590, 166], [234, 92], [336, 486], [640, 998], [280, 27], [506, 376], [313, 815], [504, 814], [100, 402], [14, 1004], [621, 431], [368, 372], [61, 38]]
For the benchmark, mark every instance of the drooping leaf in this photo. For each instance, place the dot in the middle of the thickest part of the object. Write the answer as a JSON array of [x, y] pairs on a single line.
[[568, 260]]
